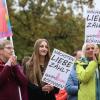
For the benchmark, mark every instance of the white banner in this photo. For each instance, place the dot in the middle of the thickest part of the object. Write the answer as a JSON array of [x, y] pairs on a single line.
[[92, 27], [58, 69]]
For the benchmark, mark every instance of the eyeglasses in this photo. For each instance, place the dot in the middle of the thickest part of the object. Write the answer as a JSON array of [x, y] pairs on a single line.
[[91, 48], [9, 48]]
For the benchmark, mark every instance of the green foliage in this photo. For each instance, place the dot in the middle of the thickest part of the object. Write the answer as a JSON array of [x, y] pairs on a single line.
[[45, 19]]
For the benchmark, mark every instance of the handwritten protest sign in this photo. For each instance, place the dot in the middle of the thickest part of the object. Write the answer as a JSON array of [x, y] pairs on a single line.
[[58, 69], [92, 27]]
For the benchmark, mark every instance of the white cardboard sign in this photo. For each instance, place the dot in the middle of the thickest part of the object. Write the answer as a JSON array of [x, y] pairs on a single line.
[[92, 27], [58, 69]]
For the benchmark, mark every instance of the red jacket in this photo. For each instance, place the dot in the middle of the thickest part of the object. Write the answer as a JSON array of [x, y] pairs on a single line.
[[10, 78]]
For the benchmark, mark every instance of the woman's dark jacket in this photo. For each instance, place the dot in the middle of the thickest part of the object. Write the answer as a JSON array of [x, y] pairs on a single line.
[[37, 93]]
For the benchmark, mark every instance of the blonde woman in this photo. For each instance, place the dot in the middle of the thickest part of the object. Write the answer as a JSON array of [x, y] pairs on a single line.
[[11, 76], [35, 69], [88, 73]]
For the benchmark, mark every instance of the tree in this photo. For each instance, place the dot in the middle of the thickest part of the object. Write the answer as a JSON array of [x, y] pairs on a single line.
[[46, 19]]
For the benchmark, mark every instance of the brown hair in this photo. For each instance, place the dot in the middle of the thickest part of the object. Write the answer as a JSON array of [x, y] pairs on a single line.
[[33, 65]]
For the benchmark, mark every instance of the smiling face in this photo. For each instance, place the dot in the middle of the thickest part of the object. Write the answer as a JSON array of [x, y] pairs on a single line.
[[41, 51], [89, 50], [43, 48]]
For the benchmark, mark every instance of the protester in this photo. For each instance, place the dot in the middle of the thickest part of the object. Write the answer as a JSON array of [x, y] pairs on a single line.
[[35, 70], [12, 81], [77, 54], [89, 73], [72, 83]]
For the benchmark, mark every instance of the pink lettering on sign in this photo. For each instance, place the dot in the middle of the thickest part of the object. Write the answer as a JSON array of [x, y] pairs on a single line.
[[98, 34], [59, 79]]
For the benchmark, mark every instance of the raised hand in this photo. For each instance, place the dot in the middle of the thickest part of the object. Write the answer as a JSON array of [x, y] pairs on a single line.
[[12, 61], [48, 88]]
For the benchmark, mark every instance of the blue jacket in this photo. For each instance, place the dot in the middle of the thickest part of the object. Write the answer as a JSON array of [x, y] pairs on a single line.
[[72, 85]]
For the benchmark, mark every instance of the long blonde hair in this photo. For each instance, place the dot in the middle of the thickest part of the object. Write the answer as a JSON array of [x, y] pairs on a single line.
[[33, 65]]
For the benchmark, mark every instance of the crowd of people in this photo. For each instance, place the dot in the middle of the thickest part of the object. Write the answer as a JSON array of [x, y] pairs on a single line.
[[24, 82]]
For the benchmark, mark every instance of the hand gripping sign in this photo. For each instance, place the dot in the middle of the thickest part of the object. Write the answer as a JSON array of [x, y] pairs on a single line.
[[58, 69]]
